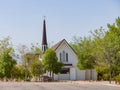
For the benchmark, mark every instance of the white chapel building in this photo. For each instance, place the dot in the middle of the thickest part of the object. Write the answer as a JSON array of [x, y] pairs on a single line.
[[66, 54]]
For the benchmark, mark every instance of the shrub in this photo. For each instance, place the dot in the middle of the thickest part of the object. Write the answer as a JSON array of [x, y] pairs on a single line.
[[117, 79], [106, 76], [103, 73]]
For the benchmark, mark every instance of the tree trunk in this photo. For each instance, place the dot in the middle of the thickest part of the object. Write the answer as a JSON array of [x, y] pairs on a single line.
[[52, 76], [110, 73], [110, 67], [50, 73]]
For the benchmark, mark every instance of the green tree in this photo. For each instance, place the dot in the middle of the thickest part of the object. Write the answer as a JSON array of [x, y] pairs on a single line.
[[6, 64], [6, 60], [98, 52], [112, 48], [36, 68], [35, 48], [5, 44], [108, 47], [84, 47], [28, 57], [102, 51], [50, 62], [18, 72]]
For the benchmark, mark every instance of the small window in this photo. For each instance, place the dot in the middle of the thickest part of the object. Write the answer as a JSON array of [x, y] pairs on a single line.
[[66, 57], [63, 56], [60, 57]]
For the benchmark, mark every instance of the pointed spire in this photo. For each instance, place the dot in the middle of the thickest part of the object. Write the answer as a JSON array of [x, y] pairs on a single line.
[[44, 37]]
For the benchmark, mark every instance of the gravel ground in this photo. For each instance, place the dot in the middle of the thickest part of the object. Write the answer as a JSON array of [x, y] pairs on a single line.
[[65, 85]]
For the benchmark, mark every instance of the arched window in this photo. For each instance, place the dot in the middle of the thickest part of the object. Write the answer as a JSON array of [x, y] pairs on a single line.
[[63, 56], [66, 57], [60, 57]]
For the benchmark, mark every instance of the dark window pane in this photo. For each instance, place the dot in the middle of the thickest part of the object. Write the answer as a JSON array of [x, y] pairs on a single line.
[[60, 57], [65, 71], [66, 57]]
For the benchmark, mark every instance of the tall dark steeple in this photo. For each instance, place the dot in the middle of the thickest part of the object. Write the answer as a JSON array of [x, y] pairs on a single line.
[[44, 37]]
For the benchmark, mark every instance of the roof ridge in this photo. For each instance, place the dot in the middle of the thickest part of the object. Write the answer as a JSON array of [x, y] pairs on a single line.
[[54, 47]]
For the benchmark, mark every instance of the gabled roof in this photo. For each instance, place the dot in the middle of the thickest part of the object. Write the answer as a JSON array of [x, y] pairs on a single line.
[[54, 47]]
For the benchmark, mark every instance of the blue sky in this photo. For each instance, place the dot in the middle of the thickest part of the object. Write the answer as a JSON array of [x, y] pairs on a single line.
[[22, 20]]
